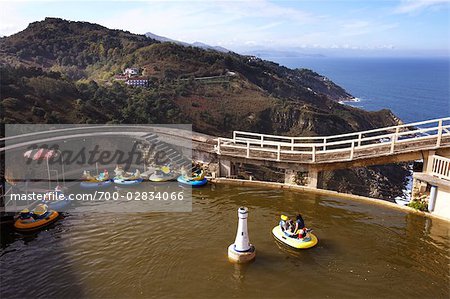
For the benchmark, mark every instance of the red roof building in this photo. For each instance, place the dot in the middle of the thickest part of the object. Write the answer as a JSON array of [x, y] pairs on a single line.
[[120, 77]]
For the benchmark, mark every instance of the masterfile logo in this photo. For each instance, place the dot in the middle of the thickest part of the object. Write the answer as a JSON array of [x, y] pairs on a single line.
[[114, 168]]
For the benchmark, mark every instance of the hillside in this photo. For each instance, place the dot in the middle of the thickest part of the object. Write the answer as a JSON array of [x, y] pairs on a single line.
[[64, 45], [58, 71]]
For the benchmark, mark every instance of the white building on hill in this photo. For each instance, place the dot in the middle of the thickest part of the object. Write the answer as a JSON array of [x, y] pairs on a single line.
[[131, 72]]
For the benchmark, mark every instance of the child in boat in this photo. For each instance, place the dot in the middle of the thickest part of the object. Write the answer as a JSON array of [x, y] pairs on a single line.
[[300, 228], [40, 211], [284, 222], [291, 227], [299, 222], [25, 214]]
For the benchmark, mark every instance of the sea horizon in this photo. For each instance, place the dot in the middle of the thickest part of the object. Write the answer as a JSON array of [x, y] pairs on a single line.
[[414, 88]]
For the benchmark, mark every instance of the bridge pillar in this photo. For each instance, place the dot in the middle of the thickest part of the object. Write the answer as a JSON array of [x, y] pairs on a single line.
[[313, 177], [428, 162], [226, 168]]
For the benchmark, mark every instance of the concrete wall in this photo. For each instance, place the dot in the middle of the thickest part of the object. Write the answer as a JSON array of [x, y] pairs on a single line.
[[442, 205], [327, 193]]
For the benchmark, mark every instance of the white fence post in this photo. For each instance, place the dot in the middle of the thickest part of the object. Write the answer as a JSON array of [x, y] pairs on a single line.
[[352, 150], [292, 142], [439, 136], [359, 139], [394, 140], [314, 153], [234, 136], [248, 149], [218, 145], [324, 144], [278, 152]]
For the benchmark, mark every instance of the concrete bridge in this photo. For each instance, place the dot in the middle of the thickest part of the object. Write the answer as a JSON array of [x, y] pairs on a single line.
[[427, 140], [407, 142]]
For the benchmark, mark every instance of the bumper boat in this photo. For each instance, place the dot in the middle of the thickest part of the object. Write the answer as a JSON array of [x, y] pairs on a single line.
[[127, 179], [196, 180], [95, 182], [194, 183], [308, 241], [301, 239], [127, 182], [38, 218], [163, 175]]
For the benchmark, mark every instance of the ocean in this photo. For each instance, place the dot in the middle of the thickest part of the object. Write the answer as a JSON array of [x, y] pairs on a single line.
[[414, 89]]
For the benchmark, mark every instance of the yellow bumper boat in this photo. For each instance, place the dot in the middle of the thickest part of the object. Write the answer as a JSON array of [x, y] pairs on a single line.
[[293, 241]]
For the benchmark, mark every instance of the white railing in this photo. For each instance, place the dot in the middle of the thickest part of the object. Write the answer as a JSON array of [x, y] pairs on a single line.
[[312, 146], [440, 167]]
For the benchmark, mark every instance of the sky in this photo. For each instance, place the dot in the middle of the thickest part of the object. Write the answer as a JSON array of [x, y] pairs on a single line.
[[372, 26]]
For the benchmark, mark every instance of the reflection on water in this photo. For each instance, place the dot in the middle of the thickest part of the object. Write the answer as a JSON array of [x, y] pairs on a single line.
[[363, 250]]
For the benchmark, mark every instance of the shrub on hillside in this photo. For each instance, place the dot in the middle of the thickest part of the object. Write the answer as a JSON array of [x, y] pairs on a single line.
[[11, 103]]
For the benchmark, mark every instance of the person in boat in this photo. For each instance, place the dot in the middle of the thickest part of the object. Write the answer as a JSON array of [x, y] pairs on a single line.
[[166, 169], [87, 176], [288, 226], [300, 228], [299, 222], [196, 169], [183, 171], [25, 214], [118, 171], [284, 222], [101, 176], [58, 191], [291, 227], [40, 211]]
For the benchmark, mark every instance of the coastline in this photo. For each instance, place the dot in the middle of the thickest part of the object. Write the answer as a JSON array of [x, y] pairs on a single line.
[[414, 88]]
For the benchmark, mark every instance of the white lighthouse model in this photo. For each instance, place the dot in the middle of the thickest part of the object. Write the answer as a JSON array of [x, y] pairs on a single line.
[[241, 251]]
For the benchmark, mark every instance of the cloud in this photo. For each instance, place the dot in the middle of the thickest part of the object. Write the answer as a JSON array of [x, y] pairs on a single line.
[[266, 9], [215, 22], [417, 6], [363, 27], [11, 20], [357, 24]]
